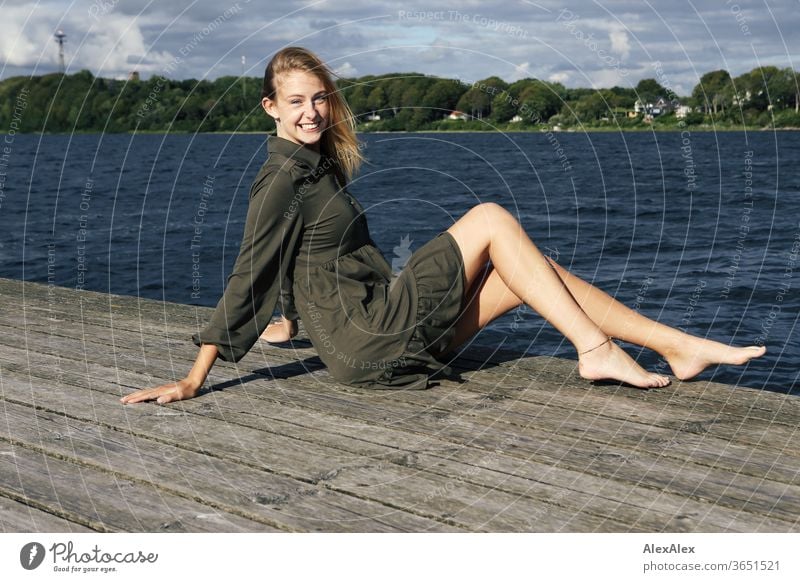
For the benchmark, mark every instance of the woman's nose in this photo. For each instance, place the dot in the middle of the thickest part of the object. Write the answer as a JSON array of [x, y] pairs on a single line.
[[311, 109]]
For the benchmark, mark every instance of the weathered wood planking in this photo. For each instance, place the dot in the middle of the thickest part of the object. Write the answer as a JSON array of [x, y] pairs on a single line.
[[375, 436], [519, 444], [16, 516]]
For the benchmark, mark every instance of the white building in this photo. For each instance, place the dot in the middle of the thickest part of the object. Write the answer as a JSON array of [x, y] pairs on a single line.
[[458, 115]]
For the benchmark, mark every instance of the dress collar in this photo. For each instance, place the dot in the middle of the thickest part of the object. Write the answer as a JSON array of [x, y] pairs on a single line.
[[296, 152]]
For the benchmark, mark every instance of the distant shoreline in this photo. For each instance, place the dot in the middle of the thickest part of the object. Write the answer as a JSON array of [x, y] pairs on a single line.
[[691, 129]]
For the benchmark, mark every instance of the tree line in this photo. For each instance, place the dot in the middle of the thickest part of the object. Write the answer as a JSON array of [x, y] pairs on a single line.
[[764, 97]]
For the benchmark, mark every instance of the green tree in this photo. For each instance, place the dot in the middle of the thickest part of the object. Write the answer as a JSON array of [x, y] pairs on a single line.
[[376, 101], [412, 97], [477, 101], [714, 91], [624, 97], [503, 107], [356, 96], [595, 106], [540, 100], [793, 82], [442, 96], [649, 90], [395, 87], [765, 88]]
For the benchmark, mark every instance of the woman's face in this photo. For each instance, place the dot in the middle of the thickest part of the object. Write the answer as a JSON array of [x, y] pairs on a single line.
[[300, 108]]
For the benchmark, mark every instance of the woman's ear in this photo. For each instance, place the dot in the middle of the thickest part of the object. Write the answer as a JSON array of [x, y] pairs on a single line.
[[269, 106]]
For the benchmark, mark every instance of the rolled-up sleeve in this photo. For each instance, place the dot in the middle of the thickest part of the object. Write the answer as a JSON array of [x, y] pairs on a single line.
[[272, 235]]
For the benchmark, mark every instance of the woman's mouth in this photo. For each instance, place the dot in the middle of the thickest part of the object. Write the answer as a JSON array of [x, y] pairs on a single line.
[[310, 127]]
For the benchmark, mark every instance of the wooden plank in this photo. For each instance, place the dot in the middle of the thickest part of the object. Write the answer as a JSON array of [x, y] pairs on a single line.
[[486, 396], [17, 517], [131, 310], [512, 395], [286, 429], [509, 399], [355, 472], [518, 365], [102, 501], [253, 494], [680, 430], [692, 390]]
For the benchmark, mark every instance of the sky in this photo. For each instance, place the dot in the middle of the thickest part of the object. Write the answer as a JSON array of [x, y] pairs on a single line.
[[579, 43]]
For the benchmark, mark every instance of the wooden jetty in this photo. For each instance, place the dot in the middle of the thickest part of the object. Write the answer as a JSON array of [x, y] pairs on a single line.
[[519, 444]]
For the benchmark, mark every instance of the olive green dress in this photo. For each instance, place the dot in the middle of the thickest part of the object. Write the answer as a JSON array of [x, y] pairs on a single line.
[[306, 248]]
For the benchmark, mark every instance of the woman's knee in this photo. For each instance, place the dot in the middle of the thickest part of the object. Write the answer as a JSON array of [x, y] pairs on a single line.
[[491, 213]]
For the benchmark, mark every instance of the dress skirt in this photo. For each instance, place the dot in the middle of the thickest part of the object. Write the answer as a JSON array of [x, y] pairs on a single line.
[[438, 271]]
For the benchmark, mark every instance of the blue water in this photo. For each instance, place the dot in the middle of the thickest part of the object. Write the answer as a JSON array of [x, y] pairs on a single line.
[[700, 231]]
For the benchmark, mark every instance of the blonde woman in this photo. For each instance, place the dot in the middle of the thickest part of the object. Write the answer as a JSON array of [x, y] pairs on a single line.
[[306, 240]]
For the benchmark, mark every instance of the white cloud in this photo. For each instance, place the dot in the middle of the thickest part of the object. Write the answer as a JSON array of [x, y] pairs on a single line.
[[558, 77], [107, 44], [370, 38], [521, 71], [34, 36], [620, 43], [346, 70]]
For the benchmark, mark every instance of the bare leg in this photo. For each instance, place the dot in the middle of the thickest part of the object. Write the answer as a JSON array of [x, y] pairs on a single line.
[[488, 298], [687, 355], [489, 232], [280, 331]]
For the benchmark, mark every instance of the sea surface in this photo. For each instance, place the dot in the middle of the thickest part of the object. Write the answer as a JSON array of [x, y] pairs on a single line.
[[697, 230]]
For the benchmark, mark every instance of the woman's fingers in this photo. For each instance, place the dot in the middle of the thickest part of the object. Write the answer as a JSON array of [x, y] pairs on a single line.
[[142, 395], [170, 395], [161, 394]]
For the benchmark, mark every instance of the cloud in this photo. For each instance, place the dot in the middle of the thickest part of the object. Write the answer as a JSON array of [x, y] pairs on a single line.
[[107, 44], [346, 70], [521, 71], [451, 39], [558, 77], [620, 43]]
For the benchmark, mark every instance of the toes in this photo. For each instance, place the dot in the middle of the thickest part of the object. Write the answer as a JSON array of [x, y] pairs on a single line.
[[659, 381]]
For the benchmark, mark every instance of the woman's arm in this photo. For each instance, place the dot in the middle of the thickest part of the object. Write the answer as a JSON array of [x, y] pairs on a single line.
[[271, 239], [182, 389], [272, 234]]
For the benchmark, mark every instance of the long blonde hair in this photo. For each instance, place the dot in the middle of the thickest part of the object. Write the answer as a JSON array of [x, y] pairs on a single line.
[[339, 139]]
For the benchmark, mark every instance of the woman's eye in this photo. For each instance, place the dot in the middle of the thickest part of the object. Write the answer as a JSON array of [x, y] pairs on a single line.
[[322, 98], [295, 101]]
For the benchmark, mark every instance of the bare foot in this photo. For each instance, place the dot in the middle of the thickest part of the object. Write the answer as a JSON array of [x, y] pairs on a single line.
[[610, 362], [280, 331], [693, 355]]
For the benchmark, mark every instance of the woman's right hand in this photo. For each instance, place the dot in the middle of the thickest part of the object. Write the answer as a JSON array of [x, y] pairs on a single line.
[[180, 390]]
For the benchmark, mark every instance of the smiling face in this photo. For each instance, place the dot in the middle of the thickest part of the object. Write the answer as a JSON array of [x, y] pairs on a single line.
[[300, 108]]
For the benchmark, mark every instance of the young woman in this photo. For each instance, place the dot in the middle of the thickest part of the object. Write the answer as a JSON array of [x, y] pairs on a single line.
[[306, 246]]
